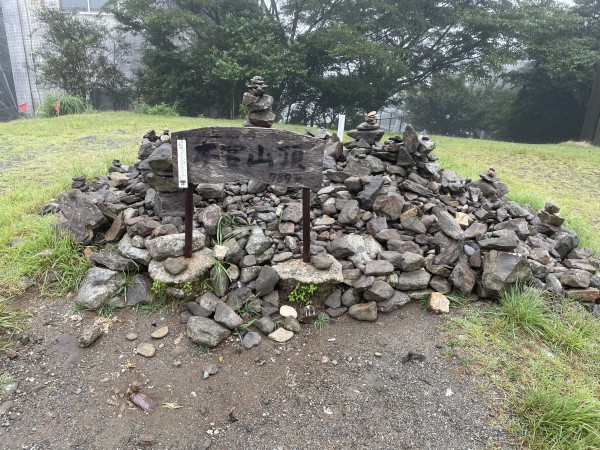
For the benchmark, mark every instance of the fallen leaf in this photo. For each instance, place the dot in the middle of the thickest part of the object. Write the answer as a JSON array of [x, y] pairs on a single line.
[[171, 405], [128, 364]]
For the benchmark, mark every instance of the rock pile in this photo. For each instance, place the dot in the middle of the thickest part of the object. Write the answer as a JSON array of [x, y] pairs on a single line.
[[389, 226], [259, 104]]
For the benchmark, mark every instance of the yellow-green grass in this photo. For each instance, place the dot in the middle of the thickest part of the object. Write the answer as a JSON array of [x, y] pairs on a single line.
[[544, 356]]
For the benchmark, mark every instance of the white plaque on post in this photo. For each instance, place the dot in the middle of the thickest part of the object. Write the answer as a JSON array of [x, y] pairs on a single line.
[[341, 125], [182, 171]]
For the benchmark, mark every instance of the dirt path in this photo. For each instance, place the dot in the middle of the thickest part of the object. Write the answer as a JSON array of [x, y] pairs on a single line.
[[342, 387]]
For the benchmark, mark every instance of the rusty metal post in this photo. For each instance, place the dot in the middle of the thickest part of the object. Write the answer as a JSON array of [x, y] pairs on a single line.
[[306, 225], [189, 219]]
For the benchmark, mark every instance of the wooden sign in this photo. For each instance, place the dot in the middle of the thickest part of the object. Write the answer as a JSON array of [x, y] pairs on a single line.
[[272, 156]]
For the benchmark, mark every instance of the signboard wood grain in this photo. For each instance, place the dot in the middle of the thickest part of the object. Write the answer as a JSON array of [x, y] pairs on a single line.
[[272, 156]]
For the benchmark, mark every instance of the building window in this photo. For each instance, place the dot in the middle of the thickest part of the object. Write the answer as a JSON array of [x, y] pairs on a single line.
[[88, 6]]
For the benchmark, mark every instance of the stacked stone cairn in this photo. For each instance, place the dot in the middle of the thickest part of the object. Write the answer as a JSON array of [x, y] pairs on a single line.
[[259, 104], [389, 226]]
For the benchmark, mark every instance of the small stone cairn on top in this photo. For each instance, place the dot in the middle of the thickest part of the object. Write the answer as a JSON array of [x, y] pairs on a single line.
[[367, 134], [259, 104]]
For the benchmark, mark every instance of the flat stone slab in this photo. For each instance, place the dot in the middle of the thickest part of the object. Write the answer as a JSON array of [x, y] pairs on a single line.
[[198, 265], [300, 272]]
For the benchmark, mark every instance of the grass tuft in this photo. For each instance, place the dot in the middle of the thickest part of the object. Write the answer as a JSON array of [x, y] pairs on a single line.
[[524, 309], [543, 352], [54, 259], [559, 421]]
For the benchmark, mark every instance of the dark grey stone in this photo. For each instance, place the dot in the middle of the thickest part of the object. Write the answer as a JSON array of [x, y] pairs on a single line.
[[378, 292], [205, 331], [266, 281], [397, 300]]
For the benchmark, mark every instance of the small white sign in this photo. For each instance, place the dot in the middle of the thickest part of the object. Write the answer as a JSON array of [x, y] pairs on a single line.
[[341, 125], [182, 163]]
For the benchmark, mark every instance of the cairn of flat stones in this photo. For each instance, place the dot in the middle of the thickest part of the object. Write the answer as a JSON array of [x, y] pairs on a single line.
[[259, 104], [389, 226]]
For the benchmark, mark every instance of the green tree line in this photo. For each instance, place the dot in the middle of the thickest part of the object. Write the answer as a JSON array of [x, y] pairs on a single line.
[[322, 59]]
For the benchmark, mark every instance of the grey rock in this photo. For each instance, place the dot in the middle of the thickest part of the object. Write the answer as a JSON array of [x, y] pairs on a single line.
[[350, 213], [175, 265], [292, 324], [208, 301], [89, 335], [447, 249], [334, 300], [113, 261], [504, 243], [219, 280], [293, 213], [173, 245], [198, 310], [575, 278], [553, 284], [440, 284], [363, 283], [258, 243], [206, 332], [350, 297], [502, 270], [397, 300], [295, 271], [209, 217], [389, 205], [463, 278], [251, 339], [249, 274], [340, 248], [379, 291], [378, 267], [321, 261], [79, 216], [410, 262], [475, 230], [566, 243], [266, 281], [211, 190], [408, 281], [364, 311], [370, 192], [161, 158], [256, 187], [128, 250], [414, 225], [239, 297], [98, 286], [449, 226], [198, 266], [265, 325], [395, 258], [139, 291]]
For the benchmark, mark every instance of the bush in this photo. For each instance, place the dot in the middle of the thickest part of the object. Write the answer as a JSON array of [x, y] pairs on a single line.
[[162, 109], [69, 104]]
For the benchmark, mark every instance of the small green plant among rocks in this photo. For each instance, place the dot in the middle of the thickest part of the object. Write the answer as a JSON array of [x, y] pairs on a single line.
[[159, 289], [321, 320], [303, 293]]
